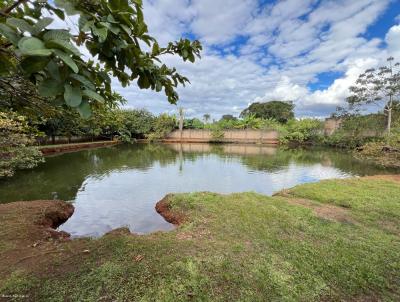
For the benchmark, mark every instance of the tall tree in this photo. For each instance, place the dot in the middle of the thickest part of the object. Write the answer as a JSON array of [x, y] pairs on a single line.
[[113, 31], [277, 110], [206, 117], [228, 117], [378, 86]]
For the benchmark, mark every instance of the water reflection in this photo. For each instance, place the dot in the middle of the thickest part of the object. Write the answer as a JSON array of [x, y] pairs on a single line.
[[118, 186]]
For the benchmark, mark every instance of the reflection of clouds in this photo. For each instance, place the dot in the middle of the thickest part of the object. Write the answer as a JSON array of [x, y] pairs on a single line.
[[127, 197], [295, 174]]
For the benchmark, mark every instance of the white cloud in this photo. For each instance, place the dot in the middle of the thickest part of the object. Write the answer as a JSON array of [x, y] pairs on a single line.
[[393, 41], [282, 48]]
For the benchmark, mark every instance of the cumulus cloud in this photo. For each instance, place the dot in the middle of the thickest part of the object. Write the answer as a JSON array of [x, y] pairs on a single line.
[[259, 52]]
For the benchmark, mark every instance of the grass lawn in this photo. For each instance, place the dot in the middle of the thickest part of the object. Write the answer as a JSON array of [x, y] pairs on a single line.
[[337, 240]]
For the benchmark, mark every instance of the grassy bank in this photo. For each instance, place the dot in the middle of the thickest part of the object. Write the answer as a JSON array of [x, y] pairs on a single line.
[[332, 241]]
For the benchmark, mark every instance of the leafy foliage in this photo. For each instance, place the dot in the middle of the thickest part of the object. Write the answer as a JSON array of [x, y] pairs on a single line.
[[16, 150], [217, 135], [113, 31], [303, 131], [277, 110], [163, 125]]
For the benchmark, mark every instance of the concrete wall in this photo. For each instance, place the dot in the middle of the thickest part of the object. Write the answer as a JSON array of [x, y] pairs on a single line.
[[230, 136], [331, 125]]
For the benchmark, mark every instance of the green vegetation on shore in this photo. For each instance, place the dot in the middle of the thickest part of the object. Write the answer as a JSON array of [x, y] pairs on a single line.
[[337, 240]]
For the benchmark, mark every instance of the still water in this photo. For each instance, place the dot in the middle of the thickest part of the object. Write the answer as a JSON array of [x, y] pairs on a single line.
[[119, 186]]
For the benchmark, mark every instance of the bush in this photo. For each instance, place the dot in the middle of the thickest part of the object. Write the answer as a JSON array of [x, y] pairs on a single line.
[[217, 134], [138, 123], [303, 131], [16, 140], [163, 125]]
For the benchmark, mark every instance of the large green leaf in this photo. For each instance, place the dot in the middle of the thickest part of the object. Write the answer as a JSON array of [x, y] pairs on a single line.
[[54, 71], [9, 33], [63, 45], [41, 24], [34, 64], [72, 95], [143, 82], [84, 109], [67, 60], [126, 29], [87, 26], [57, 34], [83, 80], [31, 46], [83, 19], [67, 6], [21, 24], [93, 95], [100, 32], [118, 5], [60, 14], [50, 88]]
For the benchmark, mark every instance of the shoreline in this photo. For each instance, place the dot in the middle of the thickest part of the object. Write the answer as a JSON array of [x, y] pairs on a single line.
[[67, 148], [335, 224]]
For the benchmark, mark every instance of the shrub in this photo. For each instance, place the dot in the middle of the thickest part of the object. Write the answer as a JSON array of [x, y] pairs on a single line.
[[217, 134], [163, 125], [303, 131], [16, 140]]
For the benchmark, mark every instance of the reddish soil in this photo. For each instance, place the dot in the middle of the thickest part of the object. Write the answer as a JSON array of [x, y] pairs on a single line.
[[28, 233], [163, 208], [395, 178]]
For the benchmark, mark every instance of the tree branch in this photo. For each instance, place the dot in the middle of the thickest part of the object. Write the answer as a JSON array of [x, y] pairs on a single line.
[[6, 11]]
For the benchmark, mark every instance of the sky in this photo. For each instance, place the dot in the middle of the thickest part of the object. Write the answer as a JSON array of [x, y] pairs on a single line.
[[305, 51]]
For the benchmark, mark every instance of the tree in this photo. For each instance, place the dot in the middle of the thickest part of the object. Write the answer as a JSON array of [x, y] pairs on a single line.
[[193, 123], [206, 117], [380, 87], [278, 110], [113, 31], [138, 122], [228, 117], [16, 150]]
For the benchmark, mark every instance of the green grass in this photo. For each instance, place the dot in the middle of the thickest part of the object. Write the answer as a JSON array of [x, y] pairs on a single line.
[[243, 247]]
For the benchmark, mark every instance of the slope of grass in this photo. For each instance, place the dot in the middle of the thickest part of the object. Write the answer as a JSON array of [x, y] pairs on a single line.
[[239, 247]]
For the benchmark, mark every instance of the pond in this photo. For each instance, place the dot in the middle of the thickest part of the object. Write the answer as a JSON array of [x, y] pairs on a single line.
[[119, 186]]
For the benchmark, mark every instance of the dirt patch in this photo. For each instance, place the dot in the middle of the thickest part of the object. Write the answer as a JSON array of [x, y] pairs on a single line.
[[394, 178], [28, 232], [164, 209], [325, 211]]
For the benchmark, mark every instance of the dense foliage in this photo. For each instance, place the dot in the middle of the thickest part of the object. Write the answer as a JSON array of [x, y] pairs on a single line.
[[16, 150], [277, 110], [112, 31]]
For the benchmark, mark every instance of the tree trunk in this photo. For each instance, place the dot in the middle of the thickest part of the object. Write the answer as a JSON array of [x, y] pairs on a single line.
[[389, 113], [181, 123], [389, 121]]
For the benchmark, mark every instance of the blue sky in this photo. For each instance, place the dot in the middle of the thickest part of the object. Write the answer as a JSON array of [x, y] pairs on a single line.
[[307, 51]]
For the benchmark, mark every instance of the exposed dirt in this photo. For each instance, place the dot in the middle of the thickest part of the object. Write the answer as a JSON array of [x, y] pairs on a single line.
[[164, 209], [28, 232], [325, 211], [394, 178]]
